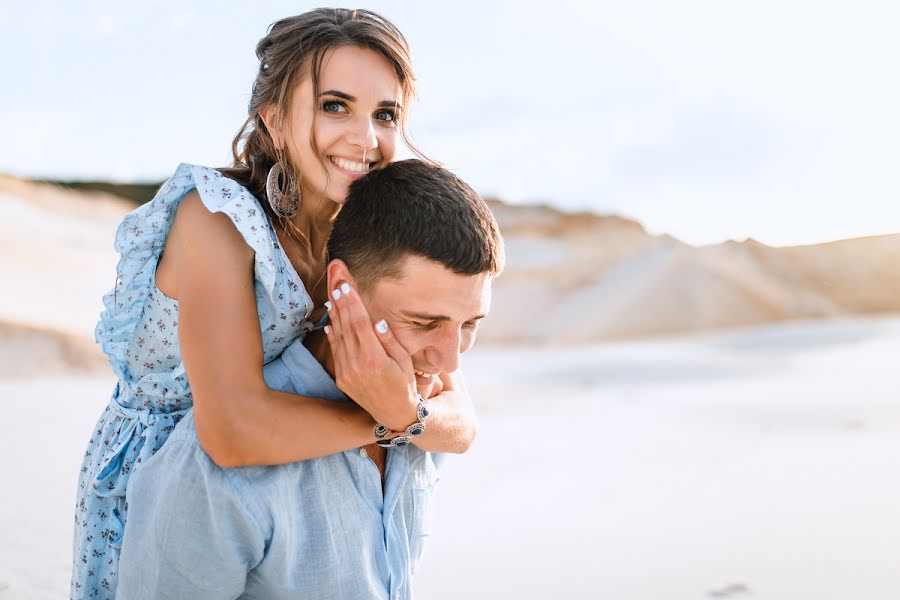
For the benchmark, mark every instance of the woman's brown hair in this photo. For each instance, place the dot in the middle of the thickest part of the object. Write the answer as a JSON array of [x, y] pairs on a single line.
[[293, 47]]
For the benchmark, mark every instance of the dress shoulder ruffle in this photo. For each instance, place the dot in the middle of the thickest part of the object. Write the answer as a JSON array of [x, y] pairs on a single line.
[[140, 240]]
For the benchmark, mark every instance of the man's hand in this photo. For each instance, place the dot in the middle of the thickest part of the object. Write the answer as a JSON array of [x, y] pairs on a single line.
[[437, 386]]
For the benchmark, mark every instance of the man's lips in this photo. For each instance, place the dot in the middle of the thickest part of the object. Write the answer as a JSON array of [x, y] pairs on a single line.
[[424, 380]]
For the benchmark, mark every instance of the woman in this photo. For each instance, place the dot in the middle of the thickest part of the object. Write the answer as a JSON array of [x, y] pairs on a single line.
[[223, 269]]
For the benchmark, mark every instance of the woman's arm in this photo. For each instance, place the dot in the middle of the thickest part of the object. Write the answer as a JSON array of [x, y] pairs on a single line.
[[240, 421]]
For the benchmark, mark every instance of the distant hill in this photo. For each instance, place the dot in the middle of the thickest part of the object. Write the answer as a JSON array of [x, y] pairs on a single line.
[[46, 352], [580, 278], [570, 277], [136, 193]]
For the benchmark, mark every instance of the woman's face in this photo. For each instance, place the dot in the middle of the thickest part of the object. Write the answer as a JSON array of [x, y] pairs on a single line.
[[356, 121]]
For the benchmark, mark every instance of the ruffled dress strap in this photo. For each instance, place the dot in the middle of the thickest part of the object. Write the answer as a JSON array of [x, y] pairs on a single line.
[[141, 238]]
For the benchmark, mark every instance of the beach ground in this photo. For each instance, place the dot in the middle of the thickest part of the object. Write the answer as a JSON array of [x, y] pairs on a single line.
[[750, 464]]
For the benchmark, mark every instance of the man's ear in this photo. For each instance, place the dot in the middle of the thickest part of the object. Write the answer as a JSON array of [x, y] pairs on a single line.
[[338, 272], [269, 115]]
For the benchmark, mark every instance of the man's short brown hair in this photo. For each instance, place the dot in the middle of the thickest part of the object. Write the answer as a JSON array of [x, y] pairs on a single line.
[[411, 207]]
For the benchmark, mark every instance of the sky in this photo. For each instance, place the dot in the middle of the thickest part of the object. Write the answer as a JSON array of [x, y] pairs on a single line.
[[707, 120]]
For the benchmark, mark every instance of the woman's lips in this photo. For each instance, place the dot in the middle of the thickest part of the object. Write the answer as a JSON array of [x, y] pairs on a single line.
[[353, 168]]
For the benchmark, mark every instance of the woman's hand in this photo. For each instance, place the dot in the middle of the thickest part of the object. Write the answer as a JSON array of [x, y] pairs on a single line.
[[373, 369]]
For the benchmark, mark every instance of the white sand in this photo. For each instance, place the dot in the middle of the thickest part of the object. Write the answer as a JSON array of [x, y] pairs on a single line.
[[759, 464], [754, 464]]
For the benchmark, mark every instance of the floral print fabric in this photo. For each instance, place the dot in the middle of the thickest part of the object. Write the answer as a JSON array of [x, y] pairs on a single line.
[[138, 331]]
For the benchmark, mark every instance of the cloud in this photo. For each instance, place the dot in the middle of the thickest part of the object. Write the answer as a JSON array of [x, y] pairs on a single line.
[[721, 142]]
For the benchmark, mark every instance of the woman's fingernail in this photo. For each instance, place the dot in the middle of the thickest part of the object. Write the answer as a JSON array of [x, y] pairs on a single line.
[[345, 287], [381, 326], [328, 330], [336, 293], [328, 306]]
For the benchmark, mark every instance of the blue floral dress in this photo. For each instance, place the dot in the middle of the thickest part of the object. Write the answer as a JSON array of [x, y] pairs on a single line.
[[138, 331]]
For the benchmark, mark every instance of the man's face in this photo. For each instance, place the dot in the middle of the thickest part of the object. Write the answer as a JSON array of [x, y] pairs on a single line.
[[433, 312]]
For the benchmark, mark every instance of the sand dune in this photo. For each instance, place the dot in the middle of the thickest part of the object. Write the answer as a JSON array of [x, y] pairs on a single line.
[[570, 278], [30, 351], [601, 278], [56, 255]]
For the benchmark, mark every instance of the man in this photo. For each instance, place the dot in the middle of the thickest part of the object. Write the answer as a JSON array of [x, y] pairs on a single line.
[[414, 250]]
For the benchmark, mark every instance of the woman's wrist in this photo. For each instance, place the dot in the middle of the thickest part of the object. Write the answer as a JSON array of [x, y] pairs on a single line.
[[403, 416], [390, 438]]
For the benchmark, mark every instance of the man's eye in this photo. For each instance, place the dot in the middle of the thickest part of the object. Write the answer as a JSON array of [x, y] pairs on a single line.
[[470, 325], [425, 326]]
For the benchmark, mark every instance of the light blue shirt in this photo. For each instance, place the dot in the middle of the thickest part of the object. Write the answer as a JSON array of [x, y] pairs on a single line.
[[320, 528]]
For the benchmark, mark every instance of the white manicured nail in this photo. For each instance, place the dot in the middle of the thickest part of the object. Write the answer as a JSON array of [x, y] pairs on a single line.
[[345, 287], [336, 293], [381, 326], [328, 306], [328, 329]]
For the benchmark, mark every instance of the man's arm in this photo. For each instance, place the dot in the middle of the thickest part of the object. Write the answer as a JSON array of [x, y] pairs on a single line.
[[189, 531], [452, 423]]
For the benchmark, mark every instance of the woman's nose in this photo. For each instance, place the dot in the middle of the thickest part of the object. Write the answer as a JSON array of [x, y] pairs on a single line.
[[363, 134]]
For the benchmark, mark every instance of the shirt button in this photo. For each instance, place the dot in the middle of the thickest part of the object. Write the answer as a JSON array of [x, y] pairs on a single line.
[[362, 452]]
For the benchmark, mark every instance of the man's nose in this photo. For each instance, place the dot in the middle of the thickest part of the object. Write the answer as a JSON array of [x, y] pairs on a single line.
[[444, 353]]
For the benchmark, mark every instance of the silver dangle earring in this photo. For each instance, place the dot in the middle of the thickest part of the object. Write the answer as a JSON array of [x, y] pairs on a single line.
[[282, 188]]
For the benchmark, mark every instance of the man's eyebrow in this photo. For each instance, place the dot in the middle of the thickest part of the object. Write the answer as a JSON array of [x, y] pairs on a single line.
[[426, 317], [349, 98]]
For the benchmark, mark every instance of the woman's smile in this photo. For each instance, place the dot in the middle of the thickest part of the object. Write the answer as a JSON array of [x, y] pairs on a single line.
[[352, 168]]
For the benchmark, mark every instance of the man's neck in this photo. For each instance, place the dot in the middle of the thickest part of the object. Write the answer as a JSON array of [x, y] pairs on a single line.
[[317, 344]]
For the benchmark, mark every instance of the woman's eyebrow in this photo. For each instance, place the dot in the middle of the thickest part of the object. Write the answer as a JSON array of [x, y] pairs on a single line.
[[349, 98], [338, 94]]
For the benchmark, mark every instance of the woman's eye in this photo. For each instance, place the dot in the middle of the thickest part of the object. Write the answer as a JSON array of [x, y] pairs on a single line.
[[333, 107], [387, 116]]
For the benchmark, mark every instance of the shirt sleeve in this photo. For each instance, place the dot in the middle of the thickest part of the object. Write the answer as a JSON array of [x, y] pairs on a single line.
[[190, 532]]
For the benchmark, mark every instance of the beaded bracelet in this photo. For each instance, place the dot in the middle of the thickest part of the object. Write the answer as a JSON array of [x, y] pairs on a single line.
[[405, 437]]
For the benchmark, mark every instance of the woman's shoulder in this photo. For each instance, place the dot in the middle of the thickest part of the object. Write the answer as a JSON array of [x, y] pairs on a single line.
[[143, 235], [198, 225], [205, 201], [217, 191]]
